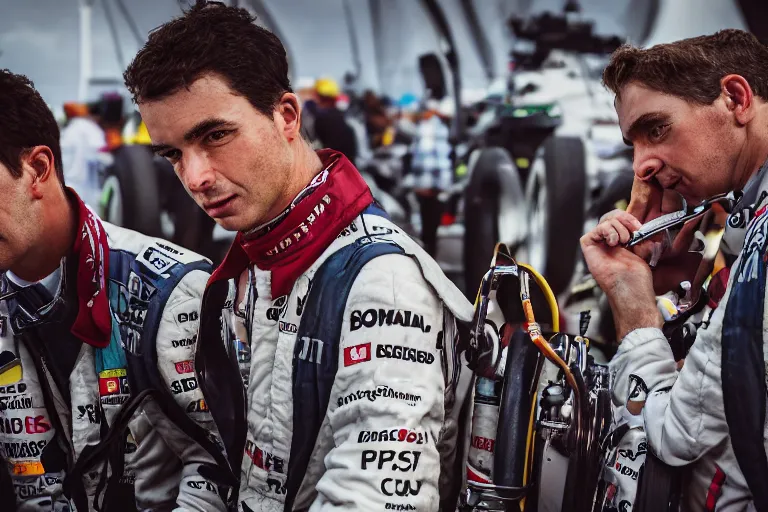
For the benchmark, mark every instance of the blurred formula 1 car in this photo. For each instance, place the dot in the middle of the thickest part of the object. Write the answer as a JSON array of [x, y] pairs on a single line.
[[558, 126]]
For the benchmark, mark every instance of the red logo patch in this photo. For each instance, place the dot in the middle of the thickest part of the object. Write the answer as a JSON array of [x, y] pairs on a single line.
[[357, 354], [185, 367], [37, 425], [109, 386], [483, 443]]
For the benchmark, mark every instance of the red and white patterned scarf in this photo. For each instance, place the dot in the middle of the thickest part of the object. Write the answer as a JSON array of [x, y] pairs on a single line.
[[93, 324]]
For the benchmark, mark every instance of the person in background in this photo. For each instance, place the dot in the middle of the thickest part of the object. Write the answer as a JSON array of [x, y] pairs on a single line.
[[376, 119], [82, 140], [330, 126], [432, 167]]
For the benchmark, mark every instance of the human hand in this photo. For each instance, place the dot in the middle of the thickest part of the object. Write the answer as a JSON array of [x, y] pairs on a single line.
[[624, 276], [649, 201]]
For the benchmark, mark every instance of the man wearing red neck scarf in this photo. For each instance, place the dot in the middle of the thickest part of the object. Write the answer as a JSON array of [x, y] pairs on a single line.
[[97, 334], [378, 430]]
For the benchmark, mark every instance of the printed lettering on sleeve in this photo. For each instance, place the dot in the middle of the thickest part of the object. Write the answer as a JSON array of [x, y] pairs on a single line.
[[30, 488], [382, 391], [184, 385], [13, 389], [201, 485], [23, 449], [89, 411], [399, 434], [113, 387], [24, 432], [192, 316], [404, 354], [24, 421], [400, 487], [155, 260], [184, 342], [15, 402], [404, 461], [389, 317], [399, 506]]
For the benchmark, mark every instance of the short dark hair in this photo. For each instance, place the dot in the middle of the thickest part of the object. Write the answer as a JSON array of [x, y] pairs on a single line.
[[211, 38], [691, 69], [25, 122]]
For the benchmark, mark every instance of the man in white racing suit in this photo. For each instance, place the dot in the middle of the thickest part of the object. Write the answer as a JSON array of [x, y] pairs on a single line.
[[99, 404], [695, 112], [82, 151], [337, 383]]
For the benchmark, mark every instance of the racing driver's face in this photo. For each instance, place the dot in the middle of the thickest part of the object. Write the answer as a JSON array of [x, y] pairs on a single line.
[[20, 217], [690, 148], [234, 161]]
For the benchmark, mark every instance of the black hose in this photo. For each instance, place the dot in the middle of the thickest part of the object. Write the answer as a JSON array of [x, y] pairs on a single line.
[[514, 415]]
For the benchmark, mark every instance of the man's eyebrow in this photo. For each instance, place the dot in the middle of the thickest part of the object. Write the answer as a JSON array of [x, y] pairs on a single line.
[[644, 124], [157, 148], [194, 133], [202, 127]]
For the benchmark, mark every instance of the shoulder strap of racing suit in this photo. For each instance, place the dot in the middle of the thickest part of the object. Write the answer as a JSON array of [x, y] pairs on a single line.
[[316, 353], [743, 365], [143, 375]]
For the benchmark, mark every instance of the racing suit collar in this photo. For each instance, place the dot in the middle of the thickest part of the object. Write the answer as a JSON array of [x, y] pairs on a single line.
[[315, 218], [744, 212]]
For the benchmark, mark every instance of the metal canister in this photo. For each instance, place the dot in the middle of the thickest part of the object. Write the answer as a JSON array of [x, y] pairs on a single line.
[[483, 439]]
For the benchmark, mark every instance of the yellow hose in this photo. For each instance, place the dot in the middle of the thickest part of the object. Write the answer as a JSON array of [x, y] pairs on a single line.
[[551, 300], [529, 444]]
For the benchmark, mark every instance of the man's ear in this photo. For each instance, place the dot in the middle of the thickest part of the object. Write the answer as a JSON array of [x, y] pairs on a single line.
[[40, 163], [738, 97], [289, 111]]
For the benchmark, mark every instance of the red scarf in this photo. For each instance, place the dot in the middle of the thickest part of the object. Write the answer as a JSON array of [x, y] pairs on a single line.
[[340, 194], [93, 324]]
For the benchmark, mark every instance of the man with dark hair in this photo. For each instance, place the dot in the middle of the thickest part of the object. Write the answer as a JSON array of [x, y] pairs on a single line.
[[696, 113], [335, 385], [99, 405], [24, 107]]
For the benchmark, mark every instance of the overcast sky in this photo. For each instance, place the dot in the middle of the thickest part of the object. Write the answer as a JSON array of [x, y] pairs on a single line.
[[40, 37]]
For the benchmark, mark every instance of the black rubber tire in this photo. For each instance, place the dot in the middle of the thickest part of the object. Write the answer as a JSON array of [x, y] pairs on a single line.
[[659, 488], [134, 170], [565, 188], [493, 182]]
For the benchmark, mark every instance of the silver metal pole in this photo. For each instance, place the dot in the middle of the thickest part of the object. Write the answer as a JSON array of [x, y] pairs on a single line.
[[86, 53]]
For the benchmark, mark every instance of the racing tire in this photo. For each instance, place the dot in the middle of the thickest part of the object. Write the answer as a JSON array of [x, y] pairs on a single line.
[[130, 196], [493, 207], [556, 196], [659, 488]]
